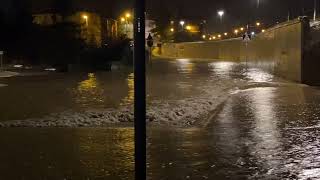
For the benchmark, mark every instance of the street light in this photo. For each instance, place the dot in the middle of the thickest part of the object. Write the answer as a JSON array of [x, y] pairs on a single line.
[[85, 17], [188, 28], [128, 15], [172, 30], [220, 13], [203, 36], [123, 19], [182, 23], [242, 29], [258, 23], [226, 34], [236, 31], [263, 30]]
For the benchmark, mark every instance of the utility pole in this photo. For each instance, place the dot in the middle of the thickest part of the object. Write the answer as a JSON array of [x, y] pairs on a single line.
[[139, 90]]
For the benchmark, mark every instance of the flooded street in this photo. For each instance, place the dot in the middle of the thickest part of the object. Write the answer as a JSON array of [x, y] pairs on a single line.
[[264, 128]]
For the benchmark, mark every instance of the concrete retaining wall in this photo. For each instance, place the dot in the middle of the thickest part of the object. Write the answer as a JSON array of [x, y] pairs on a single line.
[[279, 50]]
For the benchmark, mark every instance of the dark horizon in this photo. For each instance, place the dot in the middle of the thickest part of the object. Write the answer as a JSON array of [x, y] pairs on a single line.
[[236, 14]]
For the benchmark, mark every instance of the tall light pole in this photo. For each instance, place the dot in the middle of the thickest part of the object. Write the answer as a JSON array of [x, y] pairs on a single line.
[[140, 91], [85, 17], [220, 14], [315, 10], [182, 24]]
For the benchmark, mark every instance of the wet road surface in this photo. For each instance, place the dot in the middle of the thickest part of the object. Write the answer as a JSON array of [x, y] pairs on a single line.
[[266, 129], [261, 133]]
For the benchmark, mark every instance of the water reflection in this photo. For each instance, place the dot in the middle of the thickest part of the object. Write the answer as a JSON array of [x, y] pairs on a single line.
[[83, 153], [130, 96], [185, 66], [221, 69], [257, 75], [90, 91], [265, 127]]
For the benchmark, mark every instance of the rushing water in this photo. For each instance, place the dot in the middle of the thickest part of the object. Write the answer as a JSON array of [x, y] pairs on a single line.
[[175, 88], [266, 128]]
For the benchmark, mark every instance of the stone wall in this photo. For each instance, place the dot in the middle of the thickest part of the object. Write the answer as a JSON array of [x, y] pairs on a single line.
[[278, 50]]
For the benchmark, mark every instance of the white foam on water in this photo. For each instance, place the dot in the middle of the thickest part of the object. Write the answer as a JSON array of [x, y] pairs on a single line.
[[185, 112], [6, 74]]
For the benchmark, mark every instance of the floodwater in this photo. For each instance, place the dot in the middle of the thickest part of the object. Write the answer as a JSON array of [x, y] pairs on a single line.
[[266, 130], [168, 80]]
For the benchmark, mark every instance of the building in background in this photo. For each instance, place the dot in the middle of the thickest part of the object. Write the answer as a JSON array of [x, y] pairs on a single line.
[[95, 30]]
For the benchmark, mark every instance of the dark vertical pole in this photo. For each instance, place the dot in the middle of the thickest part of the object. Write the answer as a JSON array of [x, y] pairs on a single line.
[[139, 90], [315, 10]]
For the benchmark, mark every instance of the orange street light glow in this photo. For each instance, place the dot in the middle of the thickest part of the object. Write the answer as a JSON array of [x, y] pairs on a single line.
[[128, 15]]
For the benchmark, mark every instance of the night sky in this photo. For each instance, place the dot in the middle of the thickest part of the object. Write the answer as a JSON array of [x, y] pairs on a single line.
[[238, 12]]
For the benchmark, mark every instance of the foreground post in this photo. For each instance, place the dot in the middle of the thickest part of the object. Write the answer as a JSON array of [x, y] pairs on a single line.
[[139, 90]]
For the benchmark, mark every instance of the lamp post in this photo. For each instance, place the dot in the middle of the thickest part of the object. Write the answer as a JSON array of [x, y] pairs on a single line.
[[182, 24], [85, 17], [258, 4], [220, 14], [127, 16], [315, 10]]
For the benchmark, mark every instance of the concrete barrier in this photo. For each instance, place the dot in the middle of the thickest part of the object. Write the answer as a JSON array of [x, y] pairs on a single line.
[[279, 50]]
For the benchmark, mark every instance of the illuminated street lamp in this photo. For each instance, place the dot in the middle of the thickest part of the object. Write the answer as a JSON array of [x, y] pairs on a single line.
[[188, 28], [85, 17], [258, 23], [128, 15], [171, 29], [226, 34], [263, 30], [182, 23], [219, 36], [214, 37], [123, 19], [203, 36], [242, 29], [220, 14], [236, 31]]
